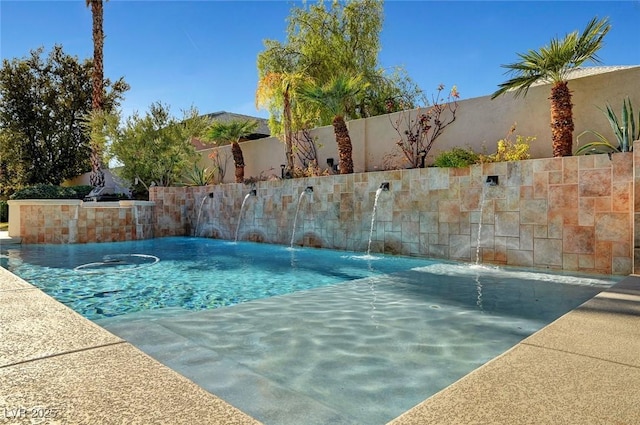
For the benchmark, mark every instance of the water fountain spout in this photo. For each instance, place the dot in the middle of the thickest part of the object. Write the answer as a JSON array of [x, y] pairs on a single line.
[[383, 187], [253, 192], [309, 191], [244, 201], [204, 198], [491, 181]]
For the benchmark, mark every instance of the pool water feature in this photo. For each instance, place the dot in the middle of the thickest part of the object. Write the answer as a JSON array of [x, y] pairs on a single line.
[[307, 191], [244, 201], [373, 218], [381, 336]]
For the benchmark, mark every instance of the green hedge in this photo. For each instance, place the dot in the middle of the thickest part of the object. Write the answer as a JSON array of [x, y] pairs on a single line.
[[82, 191], [47, 191], [456, 158], [4, 212]]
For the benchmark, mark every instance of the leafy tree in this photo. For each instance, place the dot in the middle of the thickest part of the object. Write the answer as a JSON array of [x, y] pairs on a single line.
[[391, 92], [322, 42], [155, 149], [334, 97], [41, 109], [280, 88], [232, 132], [553, 63], [97, 96]]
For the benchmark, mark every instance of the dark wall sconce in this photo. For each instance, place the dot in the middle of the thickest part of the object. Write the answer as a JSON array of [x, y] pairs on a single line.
[[282, 166], [332, 165], [423, 156]]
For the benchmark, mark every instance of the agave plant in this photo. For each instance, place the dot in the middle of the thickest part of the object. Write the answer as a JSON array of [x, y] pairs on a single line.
[[198, 176], [625, 129]]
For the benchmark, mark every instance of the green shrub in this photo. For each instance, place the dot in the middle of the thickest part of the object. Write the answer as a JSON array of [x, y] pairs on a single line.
[[45, 191], [4, 211], [456, 158], [81, 190]]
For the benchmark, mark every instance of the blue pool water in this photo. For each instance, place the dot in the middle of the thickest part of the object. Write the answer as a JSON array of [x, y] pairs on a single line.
[[303, 336], [104, 280]]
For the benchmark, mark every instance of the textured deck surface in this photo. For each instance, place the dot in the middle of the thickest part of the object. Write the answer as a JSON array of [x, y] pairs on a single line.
[[583, 368]]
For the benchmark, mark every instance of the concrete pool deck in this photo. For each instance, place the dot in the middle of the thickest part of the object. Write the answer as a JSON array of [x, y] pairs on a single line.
[[584, 368]]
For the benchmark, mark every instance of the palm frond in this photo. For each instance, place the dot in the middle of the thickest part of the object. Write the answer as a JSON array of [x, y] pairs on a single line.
[[519, 85], [587, 46], [334, 95], [223, 133], [553, 62]]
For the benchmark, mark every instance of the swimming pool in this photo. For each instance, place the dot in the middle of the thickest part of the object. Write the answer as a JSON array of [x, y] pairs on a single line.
[[349, 340], [109, 279]]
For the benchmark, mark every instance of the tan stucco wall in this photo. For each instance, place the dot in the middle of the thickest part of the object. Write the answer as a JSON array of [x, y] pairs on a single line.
[[480, 123]]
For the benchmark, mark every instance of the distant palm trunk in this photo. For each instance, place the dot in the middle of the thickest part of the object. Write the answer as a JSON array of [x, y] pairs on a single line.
[[97, 97], [333, 97], [288, 137], [343, 141], [232, 132], [238, 160]]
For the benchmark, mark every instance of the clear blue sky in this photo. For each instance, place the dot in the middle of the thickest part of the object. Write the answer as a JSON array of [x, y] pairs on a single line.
[[203, 53]]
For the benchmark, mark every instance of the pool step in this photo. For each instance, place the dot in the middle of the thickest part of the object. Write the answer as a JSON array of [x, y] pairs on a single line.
[[5, 239]]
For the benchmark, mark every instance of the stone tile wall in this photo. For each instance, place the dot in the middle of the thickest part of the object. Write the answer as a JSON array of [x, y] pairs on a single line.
[[74, 221], [573, 213], [636, 206]]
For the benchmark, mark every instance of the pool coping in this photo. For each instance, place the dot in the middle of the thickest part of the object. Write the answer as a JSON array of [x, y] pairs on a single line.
[[582, 368]]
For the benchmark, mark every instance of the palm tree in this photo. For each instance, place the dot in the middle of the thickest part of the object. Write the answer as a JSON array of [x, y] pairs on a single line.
[[333, 99], [553, 64], [97, 97], [231, 132], [280, 86]]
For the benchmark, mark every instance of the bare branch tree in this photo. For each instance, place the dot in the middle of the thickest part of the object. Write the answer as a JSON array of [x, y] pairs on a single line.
[[417, 135]]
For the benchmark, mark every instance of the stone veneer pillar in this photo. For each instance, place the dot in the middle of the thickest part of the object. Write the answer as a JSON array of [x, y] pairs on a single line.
[[636, 206], [75, 221]]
